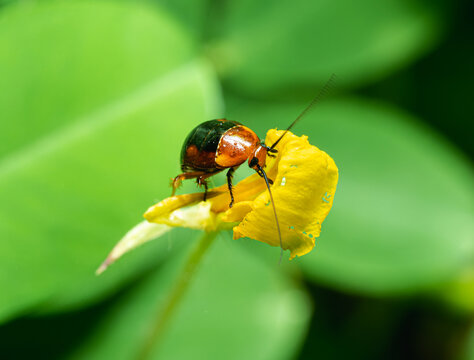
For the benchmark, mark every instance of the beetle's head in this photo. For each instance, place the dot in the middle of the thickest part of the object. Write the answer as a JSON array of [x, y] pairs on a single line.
[[258, 157]]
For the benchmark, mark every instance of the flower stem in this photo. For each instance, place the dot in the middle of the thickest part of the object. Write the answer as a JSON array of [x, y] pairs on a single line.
[[176, 295]]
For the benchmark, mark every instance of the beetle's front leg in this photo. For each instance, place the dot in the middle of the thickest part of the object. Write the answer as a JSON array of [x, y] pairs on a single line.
[[230, 174]]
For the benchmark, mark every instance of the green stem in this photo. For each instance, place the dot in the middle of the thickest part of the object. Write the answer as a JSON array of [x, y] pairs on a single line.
[[176, 295]]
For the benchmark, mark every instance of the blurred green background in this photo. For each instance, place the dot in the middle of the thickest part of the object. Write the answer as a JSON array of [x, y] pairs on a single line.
[[96, 98]]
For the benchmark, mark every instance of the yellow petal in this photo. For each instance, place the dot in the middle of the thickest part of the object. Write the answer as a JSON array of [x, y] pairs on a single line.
[[164, 208], [305, 180], [173, 212], [237, 212], [189, 211]]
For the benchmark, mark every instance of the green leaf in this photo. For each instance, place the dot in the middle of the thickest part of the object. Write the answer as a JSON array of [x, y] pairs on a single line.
[[459, 293], [469, 352], [92, 107], [402, 214], [263, 46], [236, 308], [191, 15]]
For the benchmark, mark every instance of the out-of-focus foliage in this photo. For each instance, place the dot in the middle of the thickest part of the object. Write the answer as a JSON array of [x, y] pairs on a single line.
[[96, 98], [260, 46], [88, 113], [255, 313], [459, 292], [469, 355]]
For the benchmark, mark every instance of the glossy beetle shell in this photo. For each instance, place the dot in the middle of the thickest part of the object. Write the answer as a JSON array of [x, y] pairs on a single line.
[[217, 144]]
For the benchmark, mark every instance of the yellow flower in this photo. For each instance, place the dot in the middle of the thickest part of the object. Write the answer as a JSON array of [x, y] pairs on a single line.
[[304, 184]]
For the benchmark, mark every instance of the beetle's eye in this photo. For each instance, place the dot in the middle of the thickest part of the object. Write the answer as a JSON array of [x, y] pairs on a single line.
[[253, 162]]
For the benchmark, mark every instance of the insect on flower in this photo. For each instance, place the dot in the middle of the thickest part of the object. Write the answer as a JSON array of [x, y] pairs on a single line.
[[299, 170], [217, 145]]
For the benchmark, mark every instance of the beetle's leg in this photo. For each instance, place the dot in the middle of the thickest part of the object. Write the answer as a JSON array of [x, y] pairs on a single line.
[[201, 181], [205, 190], [176, 182], [230, 174]]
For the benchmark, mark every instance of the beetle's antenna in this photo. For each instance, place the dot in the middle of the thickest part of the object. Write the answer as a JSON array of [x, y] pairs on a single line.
[[274, 210], [316, 99]]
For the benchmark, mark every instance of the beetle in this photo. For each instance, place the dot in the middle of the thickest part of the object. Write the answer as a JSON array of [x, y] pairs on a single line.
[[220, 144]]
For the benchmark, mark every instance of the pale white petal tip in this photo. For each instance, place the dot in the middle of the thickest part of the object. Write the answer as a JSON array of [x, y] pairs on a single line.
[[138, 235], [103, 267]]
